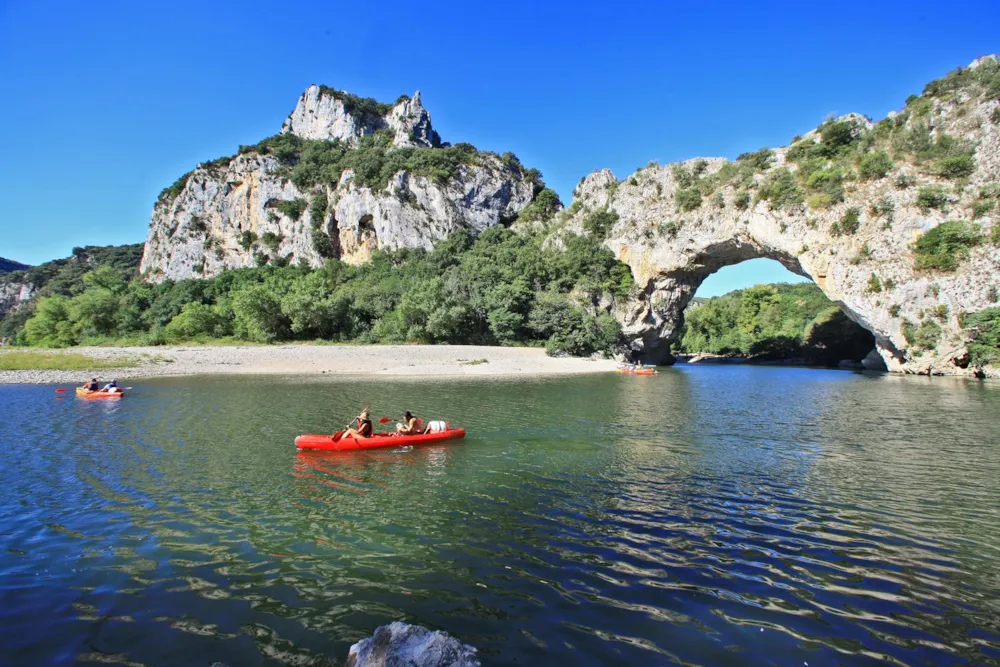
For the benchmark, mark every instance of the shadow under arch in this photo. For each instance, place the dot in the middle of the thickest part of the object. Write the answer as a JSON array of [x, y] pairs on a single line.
[[668, 294]]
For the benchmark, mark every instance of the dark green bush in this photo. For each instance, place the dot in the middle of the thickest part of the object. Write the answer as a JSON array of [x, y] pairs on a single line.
[[545, 205], [944, 247], [931, 196], [600, 223], [780, 190], [170, 193], [688, 199], [982, 330], [849, 223], [956, 166], [923, 337], [292, 208], [759, 160], [247, 239], [875, 165]]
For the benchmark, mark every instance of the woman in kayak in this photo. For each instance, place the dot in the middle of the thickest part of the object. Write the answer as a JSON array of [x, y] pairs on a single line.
[[411, 427], [92, 385], [111, 387], [364, 427]]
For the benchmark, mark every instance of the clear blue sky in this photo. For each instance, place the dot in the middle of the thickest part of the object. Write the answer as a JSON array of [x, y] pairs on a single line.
[[106, 103]]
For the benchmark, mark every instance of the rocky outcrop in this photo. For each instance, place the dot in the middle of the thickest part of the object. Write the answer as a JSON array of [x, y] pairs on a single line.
[[327, 114], [844, 205], [13, 294], [274, 205], [404, 645]]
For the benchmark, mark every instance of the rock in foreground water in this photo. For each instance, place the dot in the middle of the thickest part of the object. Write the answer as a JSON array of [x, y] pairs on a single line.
[[403, 645]]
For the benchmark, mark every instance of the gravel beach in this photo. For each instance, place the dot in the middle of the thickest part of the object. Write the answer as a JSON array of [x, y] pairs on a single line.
[[318, 360]]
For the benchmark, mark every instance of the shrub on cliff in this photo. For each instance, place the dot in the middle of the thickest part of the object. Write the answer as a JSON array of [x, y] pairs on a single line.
[[599, 223], [545, 205], [875, 164], [780, 190], [931, 196], [983, 331], [944, 247], [292, 208]]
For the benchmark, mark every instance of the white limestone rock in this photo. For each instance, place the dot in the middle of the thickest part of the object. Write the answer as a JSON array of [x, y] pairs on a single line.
[[323, 113], [671, 251], [13, 294], [403, 645]]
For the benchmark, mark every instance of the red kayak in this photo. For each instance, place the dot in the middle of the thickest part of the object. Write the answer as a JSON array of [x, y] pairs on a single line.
[[83, 393], [340, 444]]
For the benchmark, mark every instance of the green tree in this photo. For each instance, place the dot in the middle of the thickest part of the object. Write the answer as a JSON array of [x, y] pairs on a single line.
[[50, 326], [257, 315]]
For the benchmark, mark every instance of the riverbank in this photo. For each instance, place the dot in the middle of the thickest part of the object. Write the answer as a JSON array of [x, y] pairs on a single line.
[[313, 360]]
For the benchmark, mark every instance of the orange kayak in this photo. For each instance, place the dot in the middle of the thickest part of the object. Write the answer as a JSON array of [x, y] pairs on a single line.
[[83, 393], [339, 444]]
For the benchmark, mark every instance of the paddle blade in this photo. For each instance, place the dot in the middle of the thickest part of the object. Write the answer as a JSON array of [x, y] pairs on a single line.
[[384, 420], [59, 391]]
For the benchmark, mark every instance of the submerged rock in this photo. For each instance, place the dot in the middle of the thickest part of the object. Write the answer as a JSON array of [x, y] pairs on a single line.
[[403, 645]]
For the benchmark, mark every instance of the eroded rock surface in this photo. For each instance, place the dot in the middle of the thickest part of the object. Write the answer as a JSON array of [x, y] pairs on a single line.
[[403, 645]]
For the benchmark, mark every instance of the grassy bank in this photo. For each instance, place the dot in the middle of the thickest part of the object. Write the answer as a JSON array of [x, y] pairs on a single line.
[[19, 360]]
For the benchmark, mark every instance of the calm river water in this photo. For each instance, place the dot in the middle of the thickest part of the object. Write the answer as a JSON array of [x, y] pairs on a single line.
[[708, 515]]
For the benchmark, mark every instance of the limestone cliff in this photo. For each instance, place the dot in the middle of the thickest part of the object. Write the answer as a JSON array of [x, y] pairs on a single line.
[[344, 177], [851, 205]]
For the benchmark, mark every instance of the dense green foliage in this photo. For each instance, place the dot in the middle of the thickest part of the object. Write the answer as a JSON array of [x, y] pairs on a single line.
[[500, 288], [775, 322], [373, 159], [363, 107], [983, 331], [944, 247], [599, 223]]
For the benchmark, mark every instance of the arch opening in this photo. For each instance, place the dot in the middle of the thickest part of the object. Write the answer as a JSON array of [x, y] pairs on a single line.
[[784, 318]]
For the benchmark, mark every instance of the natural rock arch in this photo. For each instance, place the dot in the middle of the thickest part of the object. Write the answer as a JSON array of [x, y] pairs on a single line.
[[845, 205], [667, 296], [670, 252]]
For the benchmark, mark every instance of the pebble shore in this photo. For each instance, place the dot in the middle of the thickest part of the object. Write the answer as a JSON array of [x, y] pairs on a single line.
[[330, 360]]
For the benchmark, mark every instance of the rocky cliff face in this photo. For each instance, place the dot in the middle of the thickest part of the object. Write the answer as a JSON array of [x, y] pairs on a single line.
[[327, 114], [897, 222], [12, 294], [345, 176]]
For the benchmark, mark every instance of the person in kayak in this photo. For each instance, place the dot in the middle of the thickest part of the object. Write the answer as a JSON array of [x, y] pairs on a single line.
[[411, 426], [111, 387], [364, 427], [93, 385]]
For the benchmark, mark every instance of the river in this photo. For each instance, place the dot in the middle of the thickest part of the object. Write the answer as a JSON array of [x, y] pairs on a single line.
[[707, 515]]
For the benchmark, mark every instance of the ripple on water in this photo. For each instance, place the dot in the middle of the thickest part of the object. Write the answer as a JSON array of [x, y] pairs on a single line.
[[705, 516]]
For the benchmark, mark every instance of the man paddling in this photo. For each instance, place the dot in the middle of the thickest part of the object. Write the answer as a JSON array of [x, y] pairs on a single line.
[[364, 427]]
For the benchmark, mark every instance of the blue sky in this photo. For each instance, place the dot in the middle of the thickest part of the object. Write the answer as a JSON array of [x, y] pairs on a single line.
[[106, 103]]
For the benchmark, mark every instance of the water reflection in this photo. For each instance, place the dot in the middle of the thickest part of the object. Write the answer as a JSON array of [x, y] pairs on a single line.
[[704, 515]]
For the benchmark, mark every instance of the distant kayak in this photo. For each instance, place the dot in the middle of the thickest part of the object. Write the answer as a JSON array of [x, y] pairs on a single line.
[[336, 442], [84, 393], [636, 369]]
